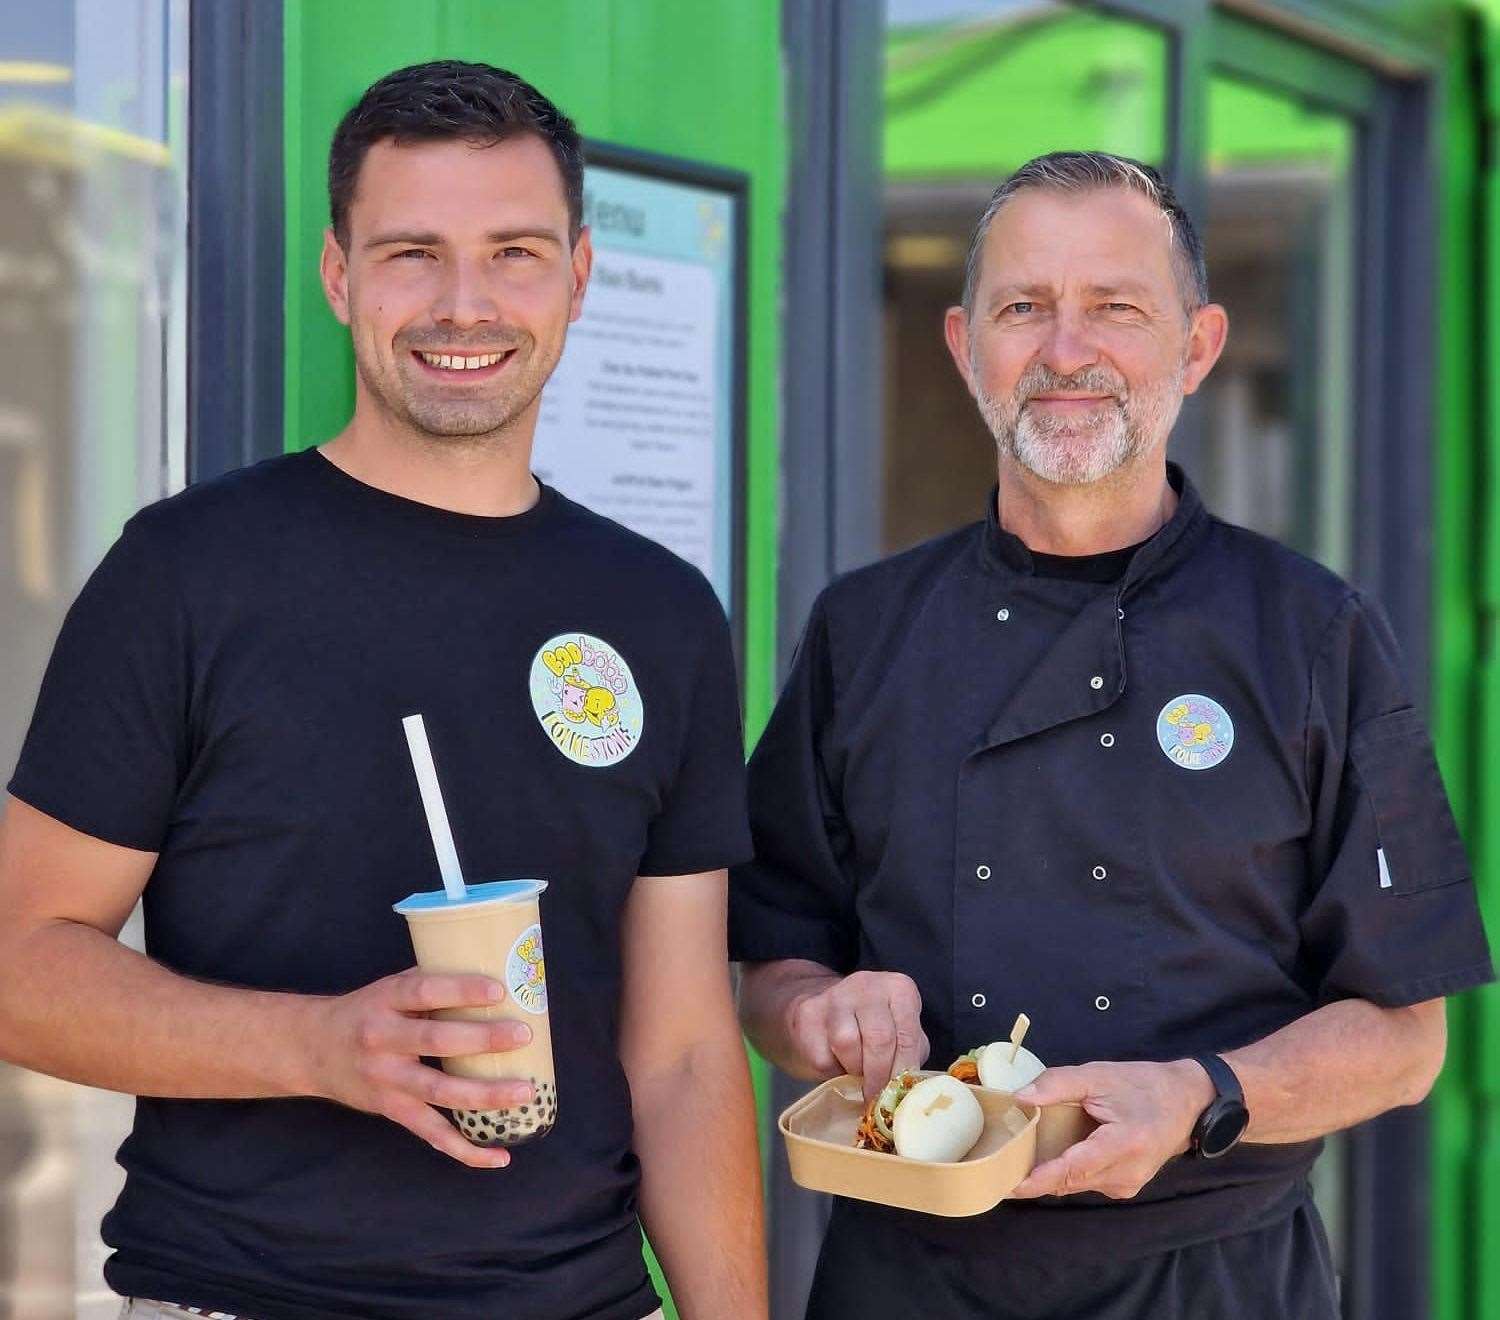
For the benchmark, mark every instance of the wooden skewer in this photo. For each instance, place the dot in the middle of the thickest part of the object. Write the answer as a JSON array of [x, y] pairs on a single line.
[[1018, 1034]]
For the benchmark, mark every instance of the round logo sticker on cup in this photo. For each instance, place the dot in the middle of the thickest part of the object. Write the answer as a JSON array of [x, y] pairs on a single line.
[[526, 971], [1195, 732], [586, 699]]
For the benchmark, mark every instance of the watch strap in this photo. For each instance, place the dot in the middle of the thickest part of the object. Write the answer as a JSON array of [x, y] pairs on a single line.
[[1222, 1076]]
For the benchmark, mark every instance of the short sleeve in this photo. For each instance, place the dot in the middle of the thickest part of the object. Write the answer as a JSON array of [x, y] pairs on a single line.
[[796, 898], [702, 826], [1393, 916], [107, 748]]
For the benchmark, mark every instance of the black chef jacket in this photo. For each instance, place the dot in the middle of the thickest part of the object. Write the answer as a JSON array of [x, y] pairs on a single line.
[[1161, 816]]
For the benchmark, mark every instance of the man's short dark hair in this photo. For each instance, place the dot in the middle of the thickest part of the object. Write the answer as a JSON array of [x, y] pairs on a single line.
[[446, 100], [1084, 171]]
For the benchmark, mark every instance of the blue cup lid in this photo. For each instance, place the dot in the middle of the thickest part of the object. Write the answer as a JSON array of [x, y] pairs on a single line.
[[502, 891]]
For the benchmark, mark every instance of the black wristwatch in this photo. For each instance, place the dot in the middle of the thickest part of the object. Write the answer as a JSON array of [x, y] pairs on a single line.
[[1223, 1123]]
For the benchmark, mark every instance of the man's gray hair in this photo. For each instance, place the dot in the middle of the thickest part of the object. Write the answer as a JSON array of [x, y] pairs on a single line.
[[1085, 171]]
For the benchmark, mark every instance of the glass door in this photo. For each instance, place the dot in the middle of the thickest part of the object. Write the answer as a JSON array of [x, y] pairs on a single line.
[[1287, 217]]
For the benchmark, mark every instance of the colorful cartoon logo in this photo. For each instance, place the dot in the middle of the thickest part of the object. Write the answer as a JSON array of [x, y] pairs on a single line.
[[587, 701], [526, 971], [1195, 732]]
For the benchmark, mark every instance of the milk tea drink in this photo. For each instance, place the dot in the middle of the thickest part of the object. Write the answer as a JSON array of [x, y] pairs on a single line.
[[496, 931]]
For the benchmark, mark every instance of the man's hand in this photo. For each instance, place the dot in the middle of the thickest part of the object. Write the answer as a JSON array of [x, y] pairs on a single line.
[[1145, 1111], [868, 1024], [370, 1044]]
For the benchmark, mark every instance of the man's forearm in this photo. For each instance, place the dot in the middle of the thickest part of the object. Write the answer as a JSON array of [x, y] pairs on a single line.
[[695, 1135], [1338, 1066], [77, 1004], [767, 994]]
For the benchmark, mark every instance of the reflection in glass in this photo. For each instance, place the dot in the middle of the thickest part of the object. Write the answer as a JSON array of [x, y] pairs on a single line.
[[1275, 449], [91, 409], [973, 89]]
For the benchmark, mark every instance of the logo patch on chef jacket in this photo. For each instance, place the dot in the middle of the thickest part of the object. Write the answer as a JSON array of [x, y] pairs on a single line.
[[1195, 732], [586, 699]]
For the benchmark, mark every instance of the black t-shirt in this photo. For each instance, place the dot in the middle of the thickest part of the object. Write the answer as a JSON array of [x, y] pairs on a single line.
[[1162, 817], [1101, 569], [228, 691]]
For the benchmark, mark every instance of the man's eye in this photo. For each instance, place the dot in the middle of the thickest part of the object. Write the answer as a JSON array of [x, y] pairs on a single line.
[[1021, 307], [1119, 307], [413, 252], [512, 253]]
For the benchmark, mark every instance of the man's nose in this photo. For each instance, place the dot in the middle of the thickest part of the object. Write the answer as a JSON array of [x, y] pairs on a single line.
[[465, 298], [1069, 345]]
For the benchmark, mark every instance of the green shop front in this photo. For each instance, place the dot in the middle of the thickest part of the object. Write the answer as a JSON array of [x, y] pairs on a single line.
[[782, 192]]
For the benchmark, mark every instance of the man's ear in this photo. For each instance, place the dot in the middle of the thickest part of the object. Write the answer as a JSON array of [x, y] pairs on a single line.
[[1206, 339], [333, 268], [583, 265], [956, 335]]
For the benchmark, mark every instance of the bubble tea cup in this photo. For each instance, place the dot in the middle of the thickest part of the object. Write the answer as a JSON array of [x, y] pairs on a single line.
[[496, 931]]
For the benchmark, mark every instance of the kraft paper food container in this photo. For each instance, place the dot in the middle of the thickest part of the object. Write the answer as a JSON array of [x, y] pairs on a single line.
[[819, 1134], [1059, 1127]]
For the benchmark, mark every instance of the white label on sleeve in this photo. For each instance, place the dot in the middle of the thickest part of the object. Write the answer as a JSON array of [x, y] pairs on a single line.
[[1385, 871]]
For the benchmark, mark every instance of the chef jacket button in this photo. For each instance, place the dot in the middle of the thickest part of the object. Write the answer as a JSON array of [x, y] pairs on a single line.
[[1096, 682], [1102, 1003], [1121, 613], [983, 872], [1106, 740], [1002, 615], [979, 1001], [1100, 873]]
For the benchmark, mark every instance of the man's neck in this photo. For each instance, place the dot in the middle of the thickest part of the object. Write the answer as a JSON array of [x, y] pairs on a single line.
[[1127, 508], [487, 475]]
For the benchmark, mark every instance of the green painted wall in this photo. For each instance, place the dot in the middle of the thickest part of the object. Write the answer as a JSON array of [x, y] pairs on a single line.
[[1454, 657], [702, 81]]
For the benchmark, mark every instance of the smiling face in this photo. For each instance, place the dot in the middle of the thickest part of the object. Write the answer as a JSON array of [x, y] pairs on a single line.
[[458, 282], [1079, 349]]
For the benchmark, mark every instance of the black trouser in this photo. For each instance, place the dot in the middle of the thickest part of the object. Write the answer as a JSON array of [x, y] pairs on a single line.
[[873, 1268]]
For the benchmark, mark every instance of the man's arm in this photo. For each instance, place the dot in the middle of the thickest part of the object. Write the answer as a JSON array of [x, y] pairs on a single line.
[[695, 1131], [78, 1004], [813, 1023], [1337, 1066]]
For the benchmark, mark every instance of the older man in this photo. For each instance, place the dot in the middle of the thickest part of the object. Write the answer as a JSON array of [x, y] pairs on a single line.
[[1152, 779]]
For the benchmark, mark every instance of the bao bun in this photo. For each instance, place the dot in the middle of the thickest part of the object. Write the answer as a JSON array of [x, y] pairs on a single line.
[[998, 1073], [938, 1121]]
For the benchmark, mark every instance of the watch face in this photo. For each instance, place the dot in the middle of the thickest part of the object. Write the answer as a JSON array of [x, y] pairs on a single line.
[[1226, 1124]]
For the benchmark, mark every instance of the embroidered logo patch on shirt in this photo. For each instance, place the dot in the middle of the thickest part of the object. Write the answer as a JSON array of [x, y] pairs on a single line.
[[586, 699], [1195, 732]]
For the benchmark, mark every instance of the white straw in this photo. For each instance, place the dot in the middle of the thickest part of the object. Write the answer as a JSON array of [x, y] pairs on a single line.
[[432, 802]]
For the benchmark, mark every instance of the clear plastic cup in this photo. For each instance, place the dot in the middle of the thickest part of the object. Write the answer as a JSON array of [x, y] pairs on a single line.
[[495, 930]]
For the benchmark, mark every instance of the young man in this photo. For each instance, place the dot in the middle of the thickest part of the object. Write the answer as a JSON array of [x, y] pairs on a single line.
[[220, 731], [1101, 758]]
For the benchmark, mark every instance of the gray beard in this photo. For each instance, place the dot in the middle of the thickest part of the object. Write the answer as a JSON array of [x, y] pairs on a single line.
[[1079, 451]]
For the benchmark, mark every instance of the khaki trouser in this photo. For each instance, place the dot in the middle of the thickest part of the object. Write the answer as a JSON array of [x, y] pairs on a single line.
[[138, 1308]]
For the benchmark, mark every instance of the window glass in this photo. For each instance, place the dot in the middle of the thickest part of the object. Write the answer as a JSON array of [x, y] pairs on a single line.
[[1275, 449], [92, 249], [973, 90]]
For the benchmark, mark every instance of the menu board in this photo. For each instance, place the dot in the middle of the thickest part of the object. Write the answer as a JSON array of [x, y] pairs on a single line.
[[641, 419]]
